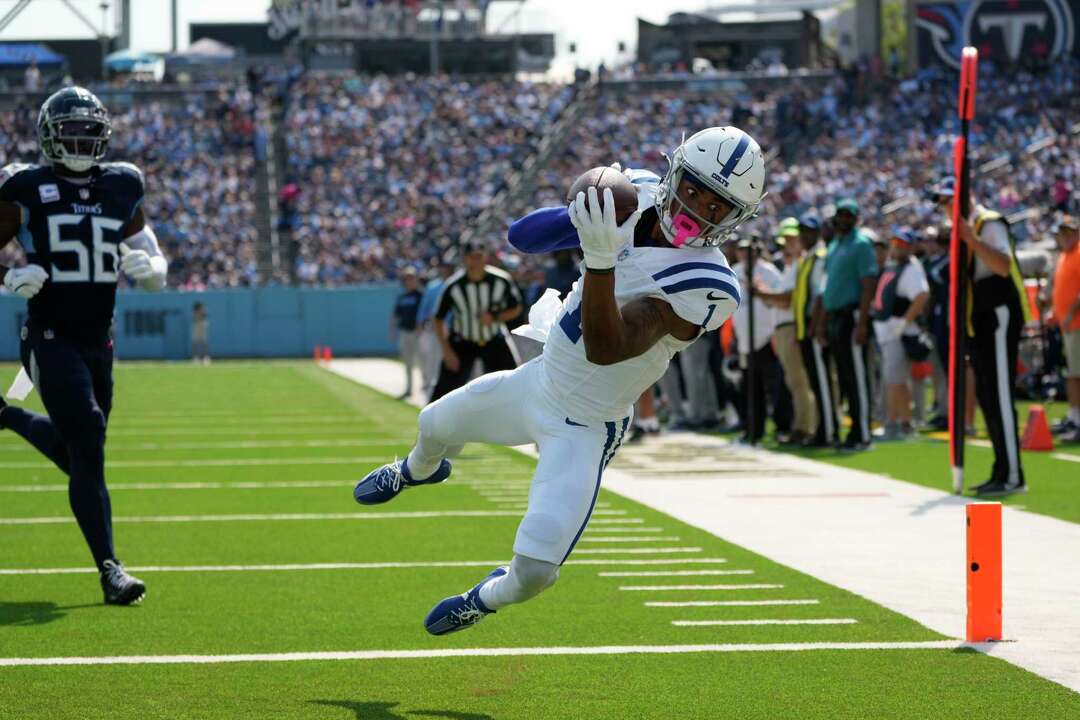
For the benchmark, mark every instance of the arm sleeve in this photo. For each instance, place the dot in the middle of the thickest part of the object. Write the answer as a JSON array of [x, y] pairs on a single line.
[[996, 235], [544, 230], [444, 304], [866, 261], [513, 294]]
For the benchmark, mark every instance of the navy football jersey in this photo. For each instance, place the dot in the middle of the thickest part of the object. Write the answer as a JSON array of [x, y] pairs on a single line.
[[73, 232]]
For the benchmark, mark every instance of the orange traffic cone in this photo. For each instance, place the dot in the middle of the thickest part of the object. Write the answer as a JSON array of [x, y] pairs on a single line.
[[318, 353], [1037, 433]]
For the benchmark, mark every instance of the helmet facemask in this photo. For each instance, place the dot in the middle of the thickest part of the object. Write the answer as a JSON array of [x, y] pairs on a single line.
[[78, 142], [682, 226]]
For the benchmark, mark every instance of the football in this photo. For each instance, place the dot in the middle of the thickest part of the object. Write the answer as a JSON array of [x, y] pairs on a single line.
[[624, 192]]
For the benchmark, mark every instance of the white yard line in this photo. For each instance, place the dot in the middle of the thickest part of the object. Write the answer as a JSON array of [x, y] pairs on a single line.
[[904, 551], [675, 573], [817, 621], [665, 588], [616, 521], [730, 603], [289, 567], [593, 530], [671, 538], [270, 485], [235, 445], [480, 652], [218, 462], [635, 551], [59, 519], [1066, 456]]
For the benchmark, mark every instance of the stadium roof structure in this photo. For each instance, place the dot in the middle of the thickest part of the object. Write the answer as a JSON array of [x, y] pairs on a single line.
[[24, 53]]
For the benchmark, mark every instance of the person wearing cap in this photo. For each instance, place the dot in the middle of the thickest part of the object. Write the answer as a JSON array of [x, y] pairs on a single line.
[[430, 348], [997, 309], [756, 350], [403, 325], [850, 279], [808, 311], [785, 335], [482, 299], [902, 295], [1066, 301]]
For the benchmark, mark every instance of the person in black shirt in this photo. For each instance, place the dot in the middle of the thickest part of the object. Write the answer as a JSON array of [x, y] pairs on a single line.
[[81, 224], [482, 298], [403, 325]]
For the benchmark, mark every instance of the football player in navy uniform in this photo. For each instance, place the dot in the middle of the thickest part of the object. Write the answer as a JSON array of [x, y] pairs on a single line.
[[80, 222]]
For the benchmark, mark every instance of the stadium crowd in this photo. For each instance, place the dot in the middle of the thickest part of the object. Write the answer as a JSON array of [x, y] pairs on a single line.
[[390, 171]]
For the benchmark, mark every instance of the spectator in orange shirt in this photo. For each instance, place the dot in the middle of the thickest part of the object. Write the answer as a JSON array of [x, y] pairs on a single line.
[[1067, 311]]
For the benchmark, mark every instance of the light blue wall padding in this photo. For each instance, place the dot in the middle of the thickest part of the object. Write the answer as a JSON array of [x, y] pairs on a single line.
[[264, 322]]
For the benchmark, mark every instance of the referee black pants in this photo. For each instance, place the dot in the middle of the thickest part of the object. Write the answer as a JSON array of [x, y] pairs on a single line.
[[496, 354], [852, 370], [819, 371], [994, 351]]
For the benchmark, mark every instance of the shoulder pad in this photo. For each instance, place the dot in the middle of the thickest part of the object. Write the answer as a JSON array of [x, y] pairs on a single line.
[[10, 171], [125, 168], [498, 272]]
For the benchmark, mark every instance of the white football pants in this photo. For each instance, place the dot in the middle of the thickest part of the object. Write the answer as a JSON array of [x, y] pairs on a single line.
[[508, 408]]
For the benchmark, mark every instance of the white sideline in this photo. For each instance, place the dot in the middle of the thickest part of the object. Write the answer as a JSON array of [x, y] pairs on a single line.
[[287, 567], [481, 652], [817, 621], [903, 550], [730, 603]]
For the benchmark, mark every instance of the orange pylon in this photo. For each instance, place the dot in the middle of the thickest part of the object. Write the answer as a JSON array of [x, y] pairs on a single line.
[[984, 581]]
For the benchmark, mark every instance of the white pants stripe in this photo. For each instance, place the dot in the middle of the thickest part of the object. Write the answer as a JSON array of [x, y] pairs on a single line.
[[1001, 362], [861, 385]]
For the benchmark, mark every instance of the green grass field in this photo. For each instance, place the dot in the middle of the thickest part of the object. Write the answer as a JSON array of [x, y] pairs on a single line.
[[248, 468]]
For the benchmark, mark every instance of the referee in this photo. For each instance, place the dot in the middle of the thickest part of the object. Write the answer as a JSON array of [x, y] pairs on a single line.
[[997, 310], [482, 298], [850, 280]]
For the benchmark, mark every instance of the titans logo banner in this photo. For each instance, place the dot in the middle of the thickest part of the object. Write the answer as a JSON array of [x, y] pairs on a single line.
[[1007, 32]]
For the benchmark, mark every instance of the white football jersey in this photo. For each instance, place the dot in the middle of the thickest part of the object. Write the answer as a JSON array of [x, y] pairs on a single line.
[[696, 282]]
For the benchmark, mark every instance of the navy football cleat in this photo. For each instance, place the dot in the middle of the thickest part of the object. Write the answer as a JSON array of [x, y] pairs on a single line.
[[385, 483], [120, 587], [461, 611]]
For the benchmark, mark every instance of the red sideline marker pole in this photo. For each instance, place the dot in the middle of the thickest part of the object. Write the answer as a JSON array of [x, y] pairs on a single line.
[[984, 576], [957, 264]]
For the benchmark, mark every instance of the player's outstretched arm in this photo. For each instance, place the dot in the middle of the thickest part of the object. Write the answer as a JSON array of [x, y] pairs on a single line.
[[140, 257], [543, 231]]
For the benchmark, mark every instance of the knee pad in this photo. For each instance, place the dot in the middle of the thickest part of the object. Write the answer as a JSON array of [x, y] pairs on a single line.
[[533, 576]]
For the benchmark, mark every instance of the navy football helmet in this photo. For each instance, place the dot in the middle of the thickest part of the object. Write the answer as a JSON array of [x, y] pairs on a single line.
[[74, 129]]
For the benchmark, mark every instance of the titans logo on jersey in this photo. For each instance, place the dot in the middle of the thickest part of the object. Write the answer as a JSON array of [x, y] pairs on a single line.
[[73, 230]]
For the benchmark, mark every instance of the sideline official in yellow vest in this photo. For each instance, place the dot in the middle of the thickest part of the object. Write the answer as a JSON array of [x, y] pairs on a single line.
[[997, 310]]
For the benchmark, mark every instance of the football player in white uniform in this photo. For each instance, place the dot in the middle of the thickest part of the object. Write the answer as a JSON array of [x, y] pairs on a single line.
[[648, 290]]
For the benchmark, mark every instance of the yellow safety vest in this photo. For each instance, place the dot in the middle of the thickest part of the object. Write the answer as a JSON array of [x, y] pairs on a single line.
[[800, 296], [1014, 271]]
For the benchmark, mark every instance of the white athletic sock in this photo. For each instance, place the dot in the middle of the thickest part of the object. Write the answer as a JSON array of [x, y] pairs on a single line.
[[527, 579], [421, 467]]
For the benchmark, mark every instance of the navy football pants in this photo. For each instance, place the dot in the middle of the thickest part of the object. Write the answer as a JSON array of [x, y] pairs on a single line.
[[75, 385]]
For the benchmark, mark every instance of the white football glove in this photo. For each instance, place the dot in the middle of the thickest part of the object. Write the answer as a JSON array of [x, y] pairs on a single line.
[[135, 263], [26, 281], [600, 236]]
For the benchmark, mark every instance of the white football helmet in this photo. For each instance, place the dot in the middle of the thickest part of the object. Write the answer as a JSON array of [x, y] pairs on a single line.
[[726, 161]]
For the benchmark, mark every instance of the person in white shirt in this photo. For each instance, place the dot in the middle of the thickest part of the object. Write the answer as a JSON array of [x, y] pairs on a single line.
[[901, 297], [758, 349]]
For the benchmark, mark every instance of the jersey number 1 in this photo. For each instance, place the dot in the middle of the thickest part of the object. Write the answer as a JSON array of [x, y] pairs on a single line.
[[101, 247]]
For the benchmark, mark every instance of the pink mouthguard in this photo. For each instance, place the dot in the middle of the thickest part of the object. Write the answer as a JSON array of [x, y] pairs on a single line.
[[685, 228]]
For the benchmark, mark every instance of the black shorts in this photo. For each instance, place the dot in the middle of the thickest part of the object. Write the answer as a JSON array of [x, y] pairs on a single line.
[[74, 381]]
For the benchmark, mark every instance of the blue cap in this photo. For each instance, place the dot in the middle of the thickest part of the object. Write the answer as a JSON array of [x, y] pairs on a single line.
[[810, 222], [904, 235]]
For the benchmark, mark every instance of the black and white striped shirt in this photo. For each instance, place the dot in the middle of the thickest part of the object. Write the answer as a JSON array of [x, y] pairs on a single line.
[[468, 301]]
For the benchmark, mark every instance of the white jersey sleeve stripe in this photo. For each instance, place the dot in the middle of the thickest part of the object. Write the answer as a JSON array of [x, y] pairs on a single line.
[[696, 283]]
